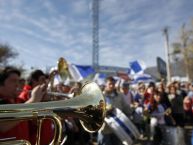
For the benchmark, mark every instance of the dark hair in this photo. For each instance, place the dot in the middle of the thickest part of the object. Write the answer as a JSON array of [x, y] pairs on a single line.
[[125, 85], [153, 102], [157, 92], [141, 85], [35, 75], [6, 72], [151, 84], [110, 78]]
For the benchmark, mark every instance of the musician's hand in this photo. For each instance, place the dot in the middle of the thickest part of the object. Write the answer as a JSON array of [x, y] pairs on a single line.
[[46, 98], [37, 93]]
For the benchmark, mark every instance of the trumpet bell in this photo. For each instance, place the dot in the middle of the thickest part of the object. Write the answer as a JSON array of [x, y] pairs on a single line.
[[95, 111]]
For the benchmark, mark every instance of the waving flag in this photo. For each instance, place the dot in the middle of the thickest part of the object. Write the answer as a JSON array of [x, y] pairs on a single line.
[[100, 78], [146, 78], [79, 72], [136, 67]]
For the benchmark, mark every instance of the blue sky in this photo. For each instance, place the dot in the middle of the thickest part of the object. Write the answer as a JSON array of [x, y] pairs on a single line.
[[41, 31]]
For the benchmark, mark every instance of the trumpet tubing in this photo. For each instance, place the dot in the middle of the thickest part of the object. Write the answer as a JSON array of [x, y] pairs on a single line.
[[16, 142], [89, 107], [54, 94], [58, 94]]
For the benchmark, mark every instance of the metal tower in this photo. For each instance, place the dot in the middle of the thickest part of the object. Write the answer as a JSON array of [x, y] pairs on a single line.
[[95, 34]]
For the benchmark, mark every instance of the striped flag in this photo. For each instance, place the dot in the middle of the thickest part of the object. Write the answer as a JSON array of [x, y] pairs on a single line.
[[136, 67], [79, 72], [99, 78]]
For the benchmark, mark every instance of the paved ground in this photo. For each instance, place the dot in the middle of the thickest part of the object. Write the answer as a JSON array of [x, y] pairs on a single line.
[[187, 137], [188, 133]]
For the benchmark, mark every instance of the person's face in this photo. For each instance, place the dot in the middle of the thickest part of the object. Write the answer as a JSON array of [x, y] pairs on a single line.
[[125, 89], [157, 98], [141, 90], [41, 80], [110, 86], [177, 85], [160, 88], [11, 85], [172, 90], [66, 89], [150, 90], [101, 104]]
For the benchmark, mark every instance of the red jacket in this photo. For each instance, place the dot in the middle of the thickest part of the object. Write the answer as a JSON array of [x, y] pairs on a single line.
[[25, 94]]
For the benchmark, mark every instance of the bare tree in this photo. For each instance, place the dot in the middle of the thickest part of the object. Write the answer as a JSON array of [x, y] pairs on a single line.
[[6, 53], [185, 49]]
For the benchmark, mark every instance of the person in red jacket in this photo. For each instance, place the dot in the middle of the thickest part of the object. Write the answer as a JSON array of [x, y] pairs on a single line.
[[37, 77], [149, 93], [9, 83]]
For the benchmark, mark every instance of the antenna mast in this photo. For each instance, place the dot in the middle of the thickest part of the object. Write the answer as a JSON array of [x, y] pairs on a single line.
[[95, 34]]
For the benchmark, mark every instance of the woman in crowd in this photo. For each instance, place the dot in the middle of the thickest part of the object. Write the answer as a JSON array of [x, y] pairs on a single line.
[[176, 105], [157, 120]]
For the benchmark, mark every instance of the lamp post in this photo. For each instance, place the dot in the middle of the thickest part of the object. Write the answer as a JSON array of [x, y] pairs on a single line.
[[165, 31]]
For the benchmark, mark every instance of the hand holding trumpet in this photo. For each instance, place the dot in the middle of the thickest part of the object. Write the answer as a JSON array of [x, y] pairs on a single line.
[[38, 94]]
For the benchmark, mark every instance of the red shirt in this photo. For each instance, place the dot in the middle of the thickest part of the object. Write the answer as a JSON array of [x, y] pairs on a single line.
[[47, 132], [25, 94], [147, 98], [20, 131]]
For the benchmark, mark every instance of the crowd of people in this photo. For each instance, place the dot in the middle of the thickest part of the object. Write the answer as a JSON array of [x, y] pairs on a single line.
[[157, 106], [151, 107]]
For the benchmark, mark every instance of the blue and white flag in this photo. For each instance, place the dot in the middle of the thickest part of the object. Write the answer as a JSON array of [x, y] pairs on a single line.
[[99, 78], [146, 78], [137, 67], [79, 72]]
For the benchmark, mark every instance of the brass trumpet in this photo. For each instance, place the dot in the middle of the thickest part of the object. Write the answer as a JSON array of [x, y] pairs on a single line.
[[15, 142], [89, 107]]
